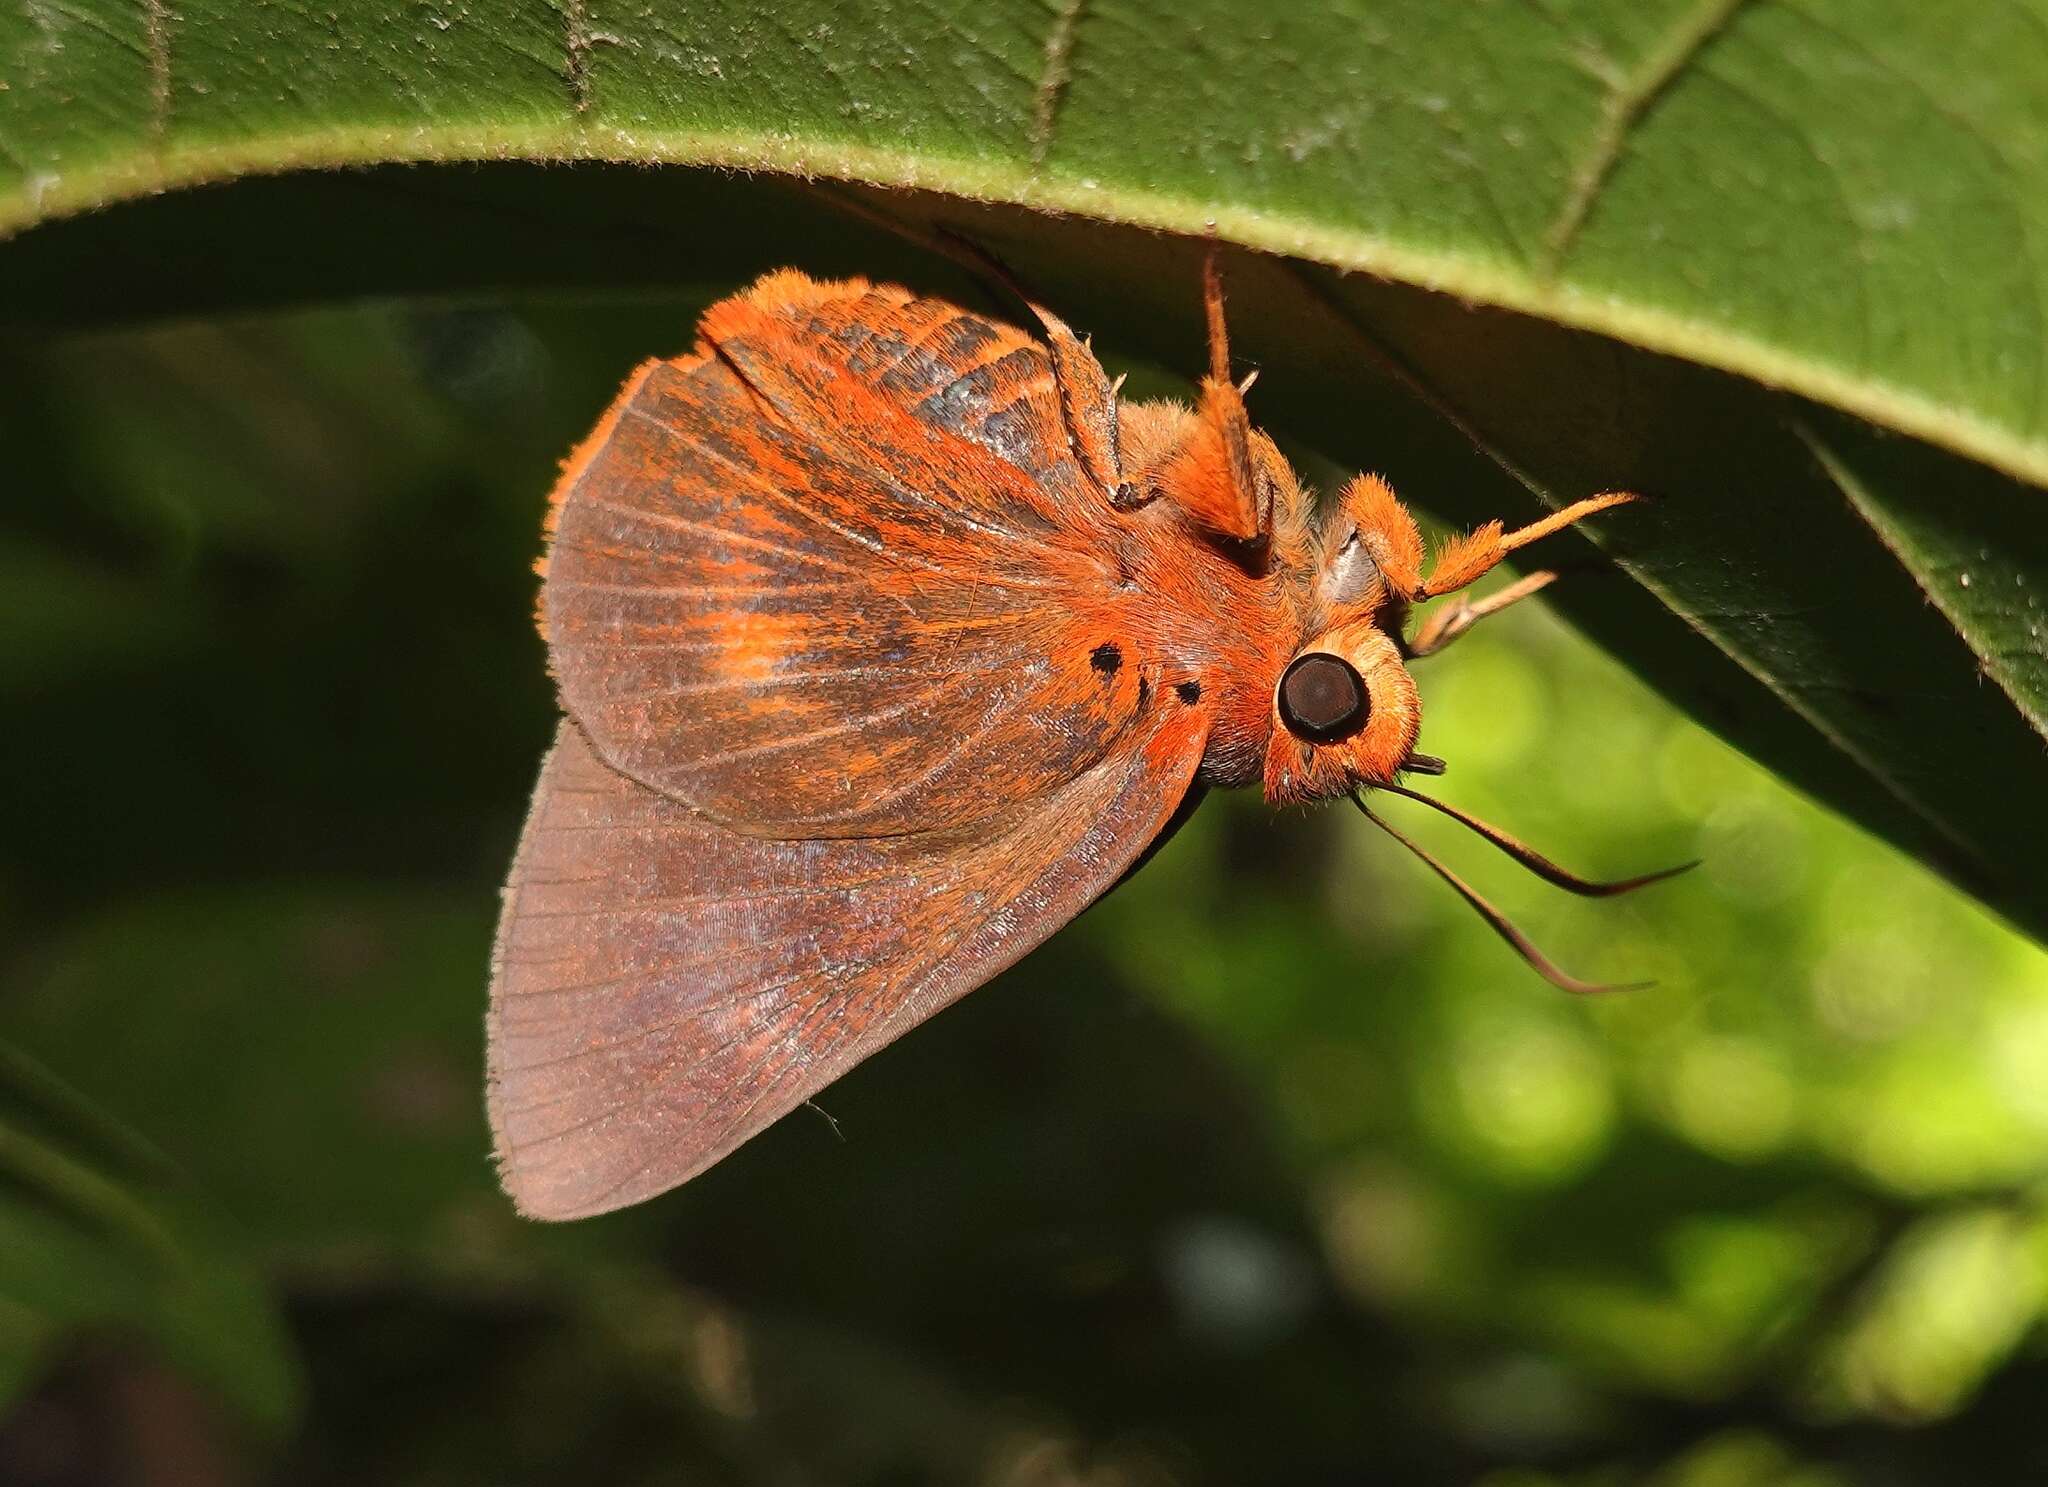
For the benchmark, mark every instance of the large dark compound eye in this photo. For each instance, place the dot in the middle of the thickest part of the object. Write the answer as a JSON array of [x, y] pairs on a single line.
[[1322, 698]]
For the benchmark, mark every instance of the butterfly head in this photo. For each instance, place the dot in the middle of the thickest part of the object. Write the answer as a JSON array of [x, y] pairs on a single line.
[[1345, 714], [1345, 710]]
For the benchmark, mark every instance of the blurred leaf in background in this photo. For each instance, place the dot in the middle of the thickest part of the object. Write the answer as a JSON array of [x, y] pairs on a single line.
[[101, 1236]]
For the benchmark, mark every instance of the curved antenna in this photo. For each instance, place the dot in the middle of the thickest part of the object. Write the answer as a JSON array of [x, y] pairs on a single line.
[[1534, 860], [1538, 962]]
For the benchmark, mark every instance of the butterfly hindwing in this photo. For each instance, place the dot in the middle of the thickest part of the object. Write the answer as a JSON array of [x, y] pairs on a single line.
[[665, 988]]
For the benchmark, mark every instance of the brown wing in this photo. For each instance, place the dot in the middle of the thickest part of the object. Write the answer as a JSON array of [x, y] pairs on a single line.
[[664, 989], [830, 577]]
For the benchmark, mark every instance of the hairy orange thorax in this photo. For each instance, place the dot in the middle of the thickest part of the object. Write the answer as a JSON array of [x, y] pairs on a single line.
[[1293, 623]]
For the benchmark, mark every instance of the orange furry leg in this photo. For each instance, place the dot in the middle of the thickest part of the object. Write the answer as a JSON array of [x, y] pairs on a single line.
[[1465, 560]]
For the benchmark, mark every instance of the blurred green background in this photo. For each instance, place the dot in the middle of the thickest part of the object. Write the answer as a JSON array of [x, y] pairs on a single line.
[[1276, 1167]]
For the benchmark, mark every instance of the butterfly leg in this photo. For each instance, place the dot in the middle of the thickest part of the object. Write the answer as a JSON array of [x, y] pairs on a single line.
[[1088, 402], [1088, 399], [1465, 560], [1446, 624], [1211, 470]]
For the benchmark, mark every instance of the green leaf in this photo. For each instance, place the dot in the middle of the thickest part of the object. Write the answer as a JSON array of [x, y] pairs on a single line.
[[336, 1029], [97, 1234], [1779, 265]]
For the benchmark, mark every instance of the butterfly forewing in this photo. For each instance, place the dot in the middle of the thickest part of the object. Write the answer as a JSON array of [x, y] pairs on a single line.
[[838, 574], [664, 988]]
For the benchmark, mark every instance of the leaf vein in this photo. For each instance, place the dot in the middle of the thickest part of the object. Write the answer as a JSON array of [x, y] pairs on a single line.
[[1052, 82], [1630, 100]]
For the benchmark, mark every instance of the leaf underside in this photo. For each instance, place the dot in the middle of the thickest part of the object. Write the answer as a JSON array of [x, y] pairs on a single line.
[[1781, 265]]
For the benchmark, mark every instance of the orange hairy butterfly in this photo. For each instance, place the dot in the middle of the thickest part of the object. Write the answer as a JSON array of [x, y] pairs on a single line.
[[890, 638]]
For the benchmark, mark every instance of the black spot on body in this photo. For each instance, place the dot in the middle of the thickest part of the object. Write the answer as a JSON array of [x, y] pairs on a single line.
[[1189, 691], [1106, 657]]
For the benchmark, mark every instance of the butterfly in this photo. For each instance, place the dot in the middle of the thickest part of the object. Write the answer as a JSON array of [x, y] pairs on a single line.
[[889, 637]]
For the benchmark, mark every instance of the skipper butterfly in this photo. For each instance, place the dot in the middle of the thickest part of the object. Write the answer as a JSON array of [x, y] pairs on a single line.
[[889, 638]]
